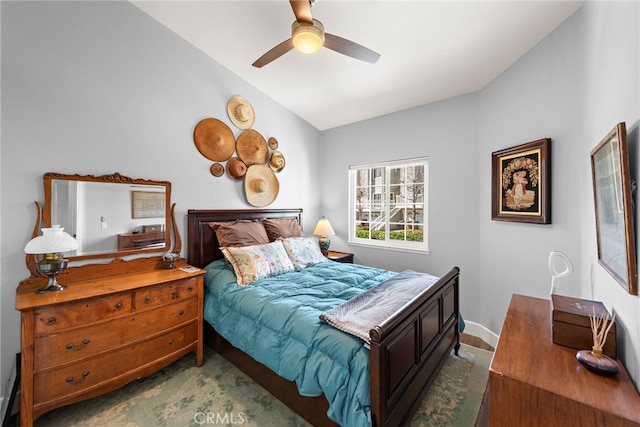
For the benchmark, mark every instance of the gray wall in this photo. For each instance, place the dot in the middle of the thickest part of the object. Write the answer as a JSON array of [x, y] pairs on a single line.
[[81, 94], [446, 133], [573, 87], [538, 97], [100, 87]]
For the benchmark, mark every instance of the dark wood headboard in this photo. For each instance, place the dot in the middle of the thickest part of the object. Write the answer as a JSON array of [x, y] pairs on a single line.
[[202, 244]]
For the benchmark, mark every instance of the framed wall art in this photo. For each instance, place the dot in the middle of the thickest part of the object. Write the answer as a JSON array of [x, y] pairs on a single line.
[[521, 183], [147, 204], [614, 216]]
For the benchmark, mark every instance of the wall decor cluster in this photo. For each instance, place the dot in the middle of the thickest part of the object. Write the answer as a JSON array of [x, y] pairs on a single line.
[[521, 183], [612, 192], [256, 160]]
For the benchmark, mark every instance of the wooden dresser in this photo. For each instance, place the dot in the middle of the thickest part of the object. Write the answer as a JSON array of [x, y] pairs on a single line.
[[534, 382], [112, 325], [128, 241]]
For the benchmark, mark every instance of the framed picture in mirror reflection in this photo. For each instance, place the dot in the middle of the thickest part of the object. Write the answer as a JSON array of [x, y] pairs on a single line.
[[147, 204]]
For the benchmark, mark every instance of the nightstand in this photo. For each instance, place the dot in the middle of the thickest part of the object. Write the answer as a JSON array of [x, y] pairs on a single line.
[[340, 257]]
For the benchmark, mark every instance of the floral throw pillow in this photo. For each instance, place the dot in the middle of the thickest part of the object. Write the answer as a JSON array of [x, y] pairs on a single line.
[[251, 263], [303, 252]]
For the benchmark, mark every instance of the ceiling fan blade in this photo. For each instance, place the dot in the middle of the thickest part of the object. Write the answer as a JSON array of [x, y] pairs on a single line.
[[349, 48], [274, 53], [302, 10]]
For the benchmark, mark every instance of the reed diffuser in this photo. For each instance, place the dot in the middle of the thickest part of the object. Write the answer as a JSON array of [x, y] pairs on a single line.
[[595, 359]]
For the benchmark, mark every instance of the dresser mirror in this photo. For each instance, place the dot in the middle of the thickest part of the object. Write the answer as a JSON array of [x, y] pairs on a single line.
[[109, 215]]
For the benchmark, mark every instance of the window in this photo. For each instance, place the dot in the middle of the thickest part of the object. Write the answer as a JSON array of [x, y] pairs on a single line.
[[388, 204]]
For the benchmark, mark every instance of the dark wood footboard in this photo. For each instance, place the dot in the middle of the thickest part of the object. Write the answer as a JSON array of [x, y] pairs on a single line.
[[407, 350]]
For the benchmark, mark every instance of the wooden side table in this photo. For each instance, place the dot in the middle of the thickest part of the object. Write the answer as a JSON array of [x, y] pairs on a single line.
[[534, 382], [340, 257]]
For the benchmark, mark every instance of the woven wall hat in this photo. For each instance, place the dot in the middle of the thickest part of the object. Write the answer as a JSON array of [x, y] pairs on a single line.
[[252, 148], [240, 112], [276, 162], [217, 169], [214, 140], [261, 185], [236, 168]]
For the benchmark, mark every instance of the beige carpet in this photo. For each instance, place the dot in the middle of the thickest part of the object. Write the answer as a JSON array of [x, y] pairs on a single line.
[[219, 394]]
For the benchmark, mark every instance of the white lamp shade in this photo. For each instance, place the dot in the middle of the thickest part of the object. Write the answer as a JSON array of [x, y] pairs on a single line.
[[53, 240], [324, 228]]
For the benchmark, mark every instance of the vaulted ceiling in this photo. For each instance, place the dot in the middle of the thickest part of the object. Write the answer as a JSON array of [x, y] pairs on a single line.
[[430, 50]]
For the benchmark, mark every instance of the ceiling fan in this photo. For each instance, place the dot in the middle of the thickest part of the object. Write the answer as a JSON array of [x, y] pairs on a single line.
[[308, 36]]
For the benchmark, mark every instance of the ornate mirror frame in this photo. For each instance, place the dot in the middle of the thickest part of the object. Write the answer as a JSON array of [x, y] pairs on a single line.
[[131, 185]]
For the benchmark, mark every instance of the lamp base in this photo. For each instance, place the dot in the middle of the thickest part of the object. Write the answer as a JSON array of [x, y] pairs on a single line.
[[52, 286], [324, 243], [51, 270]]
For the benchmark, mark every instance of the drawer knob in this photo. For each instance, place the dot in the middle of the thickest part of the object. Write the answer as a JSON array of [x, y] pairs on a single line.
[[70, 379], [51, 320], [181, 312], [72, 347], [190, 288], [119, 306], [147, 299], [171, 341]]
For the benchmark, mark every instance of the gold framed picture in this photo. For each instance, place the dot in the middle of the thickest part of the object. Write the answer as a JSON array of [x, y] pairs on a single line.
[[521, 183]]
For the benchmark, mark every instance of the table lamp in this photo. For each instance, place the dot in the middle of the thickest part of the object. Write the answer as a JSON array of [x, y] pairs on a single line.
[[324, 229], [48, 250]]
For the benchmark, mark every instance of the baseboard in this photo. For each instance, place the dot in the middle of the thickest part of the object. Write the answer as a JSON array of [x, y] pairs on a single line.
[[477, 330]]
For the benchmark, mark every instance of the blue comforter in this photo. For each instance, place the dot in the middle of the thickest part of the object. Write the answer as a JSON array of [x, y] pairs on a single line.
[[288, 336]]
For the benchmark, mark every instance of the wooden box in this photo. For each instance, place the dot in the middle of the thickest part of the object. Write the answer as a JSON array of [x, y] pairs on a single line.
[[571, 326]]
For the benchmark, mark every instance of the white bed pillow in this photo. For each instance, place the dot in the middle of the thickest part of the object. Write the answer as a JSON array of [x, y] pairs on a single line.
[[251, 263], [303, 252]]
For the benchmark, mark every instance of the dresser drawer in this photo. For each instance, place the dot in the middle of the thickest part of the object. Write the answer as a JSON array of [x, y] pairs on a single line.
[[79, 343], [163, 294], [72, 379], [54, 318]]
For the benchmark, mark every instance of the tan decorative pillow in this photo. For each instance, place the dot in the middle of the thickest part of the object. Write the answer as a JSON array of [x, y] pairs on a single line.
[[251, 263], [282, 227], [240, 233]]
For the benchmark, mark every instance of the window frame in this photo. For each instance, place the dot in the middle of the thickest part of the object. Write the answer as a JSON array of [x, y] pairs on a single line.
[[390, 244]]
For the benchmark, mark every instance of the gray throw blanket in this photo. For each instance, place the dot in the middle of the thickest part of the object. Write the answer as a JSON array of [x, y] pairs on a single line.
[[369, 309]]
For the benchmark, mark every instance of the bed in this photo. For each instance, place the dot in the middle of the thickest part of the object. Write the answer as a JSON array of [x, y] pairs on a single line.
[[405, 352]]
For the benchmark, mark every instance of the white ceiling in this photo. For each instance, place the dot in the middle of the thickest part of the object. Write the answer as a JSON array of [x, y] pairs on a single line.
[[430, 50]]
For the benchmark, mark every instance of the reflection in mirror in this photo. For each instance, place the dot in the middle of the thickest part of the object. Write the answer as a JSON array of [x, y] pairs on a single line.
[[110, 215]]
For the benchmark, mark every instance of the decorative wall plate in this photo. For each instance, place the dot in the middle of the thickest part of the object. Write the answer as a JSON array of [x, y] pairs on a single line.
[[214, 140], [252, 148]]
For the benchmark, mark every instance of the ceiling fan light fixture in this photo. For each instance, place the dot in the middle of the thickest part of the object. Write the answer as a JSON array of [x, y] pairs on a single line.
[[307, 38]]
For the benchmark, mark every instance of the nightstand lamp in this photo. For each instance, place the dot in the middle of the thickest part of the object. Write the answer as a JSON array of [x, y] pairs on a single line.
[[48, 249], [324, 229]]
